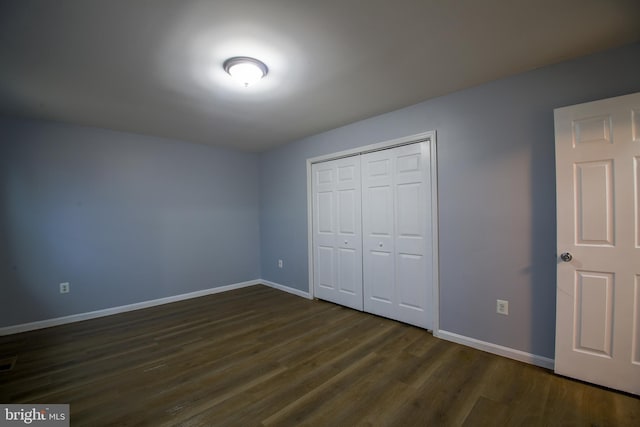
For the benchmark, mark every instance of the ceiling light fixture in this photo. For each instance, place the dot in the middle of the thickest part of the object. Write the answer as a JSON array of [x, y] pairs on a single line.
[[245, 69]]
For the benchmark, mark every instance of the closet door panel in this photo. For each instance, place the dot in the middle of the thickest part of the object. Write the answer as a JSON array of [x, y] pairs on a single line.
[[325, 271], [409, 268], [413, 233], [347, 221], [337, 231], [378, 233], [349, 230], [323, 216], [396, 231], [349, 269], [379, 296]]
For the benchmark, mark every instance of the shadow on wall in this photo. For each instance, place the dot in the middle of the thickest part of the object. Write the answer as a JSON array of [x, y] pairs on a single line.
[[25, 241], [543, 267], [16, 278]]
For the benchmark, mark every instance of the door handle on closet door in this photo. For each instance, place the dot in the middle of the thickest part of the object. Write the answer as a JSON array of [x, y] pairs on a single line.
[[380, 244]]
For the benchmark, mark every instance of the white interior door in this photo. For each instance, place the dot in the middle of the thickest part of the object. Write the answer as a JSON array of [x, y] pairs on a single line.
[[337, 231], [397, 234], [598, 218]]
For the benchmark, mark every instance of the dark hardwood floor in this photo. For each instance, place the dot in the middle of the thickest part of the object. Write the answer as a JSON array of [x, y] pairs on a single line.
[[258, 356]]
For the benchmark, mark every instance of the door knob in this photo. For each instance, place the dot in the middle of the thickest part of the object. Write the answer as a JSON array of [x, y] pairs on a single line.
[[566, 257], [380, 244], [346, 242]]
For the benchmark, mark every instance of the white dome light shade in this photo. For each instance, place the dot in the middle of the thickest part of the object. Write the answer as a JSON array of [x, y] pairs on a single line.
[[245, 70]]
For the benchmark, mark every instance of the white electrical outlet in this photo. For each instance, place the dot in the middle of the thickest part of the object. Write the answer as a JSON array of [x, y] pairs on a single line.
[[280, 263], [65, 288], [502, 307]]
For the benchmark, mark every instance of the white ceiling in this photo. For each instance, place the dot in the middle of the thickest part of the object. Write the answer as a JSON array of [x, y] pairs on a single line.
[[155, 67]]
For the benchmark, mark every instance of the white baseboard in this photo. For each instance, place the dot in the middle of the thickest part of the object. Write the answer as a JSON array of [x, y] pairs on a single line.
[[15, 329], [449, 336], [283, 288], [500, 350]]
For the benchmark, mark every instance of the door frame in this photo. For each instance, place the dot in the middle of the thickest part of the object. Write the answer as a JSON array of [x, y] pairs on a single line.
[[411, 139]]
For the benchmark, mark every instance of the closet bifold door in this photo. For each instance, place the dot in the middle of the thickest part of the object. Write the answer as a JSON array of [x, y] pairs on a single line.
[[396, 231], [337, 231]]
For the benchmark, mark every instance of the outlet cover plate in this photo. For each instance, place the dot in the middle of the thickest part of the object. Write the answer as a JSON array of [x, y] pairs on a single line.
[[502, 307], [64, 288]]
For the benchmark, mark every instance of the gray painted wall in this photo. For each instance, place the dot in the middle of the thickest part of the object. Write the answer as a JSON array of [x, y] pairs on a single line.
[[496, 193], [124, 218]]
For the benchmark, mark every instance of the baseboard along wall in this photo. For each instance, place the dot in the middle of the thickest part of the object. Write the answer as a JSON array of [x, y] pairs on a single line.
[[449, 336], [500, 350], [283, 288]]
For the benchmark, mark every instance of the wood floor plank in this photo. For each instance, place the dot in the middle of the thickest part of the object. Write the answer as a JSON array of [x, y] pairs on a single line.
[[260, 357], [486, 412], [304, 375]]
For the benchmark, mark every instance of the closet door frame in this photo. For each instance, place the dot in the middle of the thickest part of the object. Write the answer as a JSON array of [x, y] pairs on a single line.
[[412, 139]]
